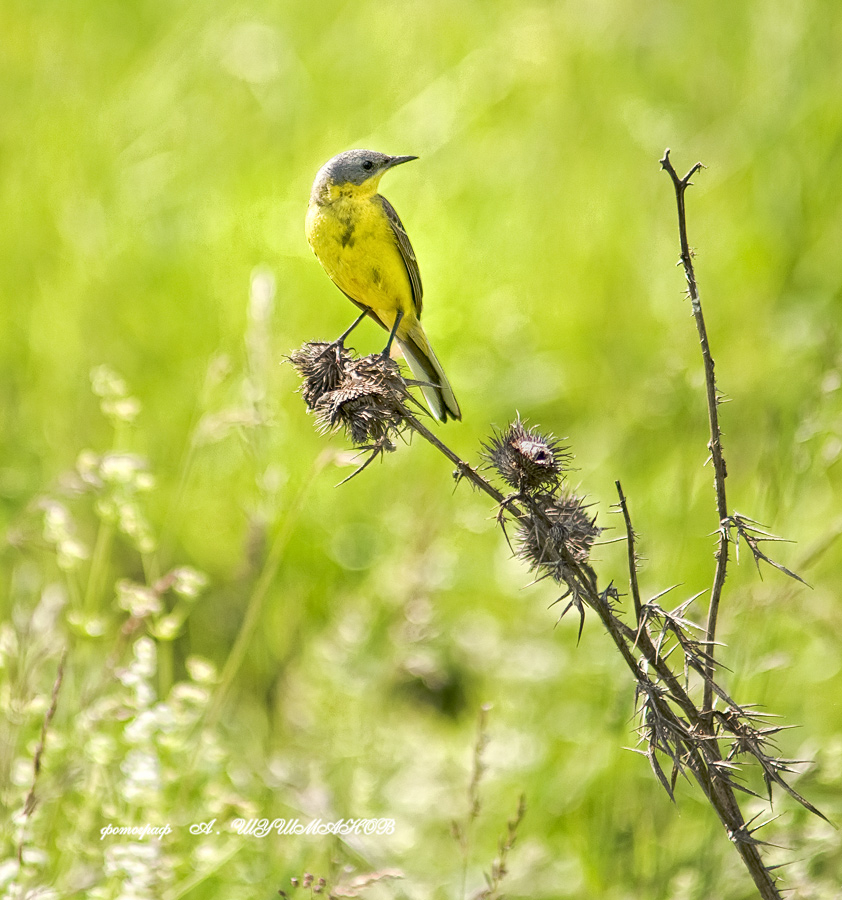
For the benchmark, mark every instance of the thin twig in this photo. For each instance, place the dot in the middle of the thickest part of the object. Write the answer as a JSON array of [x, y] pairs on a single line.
[[630, 536], [715, 445], [30, 802], [463, 469]]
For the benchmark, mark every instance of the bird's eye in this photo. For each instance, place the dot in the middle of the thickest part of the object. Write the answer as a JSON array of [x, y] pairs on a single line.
[[368, 164]]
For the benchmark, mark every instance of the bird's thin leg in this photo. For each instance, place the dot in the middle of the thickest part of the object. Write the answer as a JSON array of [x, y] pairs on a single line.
[[388, 346], [341, 339]]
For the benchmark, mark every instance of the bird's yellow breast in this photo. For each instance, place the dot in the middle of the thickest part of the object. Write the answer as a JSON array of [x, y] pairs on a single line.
[[355, 244]]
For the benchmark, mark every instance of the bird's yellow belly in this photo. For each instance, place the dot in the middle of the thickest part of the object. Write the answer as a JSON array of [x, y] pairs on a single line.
[[356, 246]]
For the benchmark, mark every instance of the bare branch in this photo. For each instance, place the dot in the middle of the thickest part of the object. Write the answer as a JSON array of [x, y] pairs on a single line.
[[630, 537], [715, 443]]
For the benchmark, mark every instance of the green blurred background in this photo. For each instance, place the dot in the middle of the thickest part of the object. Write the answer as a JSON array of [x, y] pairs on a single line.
[[155, 163]]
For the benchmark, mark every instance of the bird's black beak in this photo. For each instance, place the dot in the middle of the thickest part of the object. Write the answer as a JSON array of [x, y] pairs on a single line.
[[397, 160]]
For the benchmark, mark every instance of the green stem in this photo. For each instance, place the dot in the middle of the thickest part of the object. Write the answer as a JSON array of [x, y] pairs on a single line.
[[99, 566], [254, 609]]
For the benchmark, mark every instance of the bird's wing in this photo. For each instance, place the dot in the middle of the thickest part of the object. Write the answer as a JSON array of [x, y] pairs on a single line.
[[407, 253]]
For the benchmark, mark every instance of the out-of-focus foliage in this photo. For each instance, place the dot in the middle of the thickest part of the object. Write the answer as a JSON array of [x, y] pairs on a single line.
[[155, 163]]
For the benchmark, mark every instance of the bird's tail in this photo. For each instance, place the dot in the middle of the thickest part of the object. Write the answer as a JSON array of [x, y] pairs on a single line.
[[425, 367]]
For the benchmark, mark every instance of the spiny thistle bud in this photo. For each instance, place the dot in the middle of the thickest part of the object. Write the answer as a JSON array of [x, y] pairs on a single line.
[[364, 395], [525, 459], [558, 523]]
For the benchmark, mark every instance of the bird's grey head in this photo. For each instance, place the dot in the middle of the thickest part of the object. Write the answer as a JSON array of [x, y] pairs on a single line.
[[355, 167]]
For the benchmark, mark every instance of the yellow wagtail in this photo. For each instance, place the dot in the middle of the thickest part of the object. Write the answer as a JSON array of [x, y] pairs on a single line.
[[361, 243]]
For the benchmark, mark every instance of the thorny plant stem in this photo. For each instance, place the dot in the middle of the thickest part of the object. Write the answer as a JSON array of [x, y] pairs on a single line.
[[635, 589], [715, 444], [701, 754], [464, 469], [720, 794], [702, 762]]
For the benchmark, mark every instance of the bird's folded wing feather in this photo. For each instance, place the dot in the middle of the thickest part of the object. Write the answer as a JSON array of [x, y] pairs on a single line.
[[407, 253]]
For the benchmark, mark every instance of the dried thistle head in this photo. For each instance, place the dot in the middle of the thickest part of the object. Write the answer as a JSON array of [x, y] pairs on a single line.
[[367, 400], [525, 459], [366, 414], [558, 524], [322, 366]]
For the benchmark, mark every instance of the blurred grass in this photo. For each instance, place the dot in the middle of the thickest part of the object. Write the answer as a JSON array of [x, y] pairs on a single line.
[[154, 155]]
